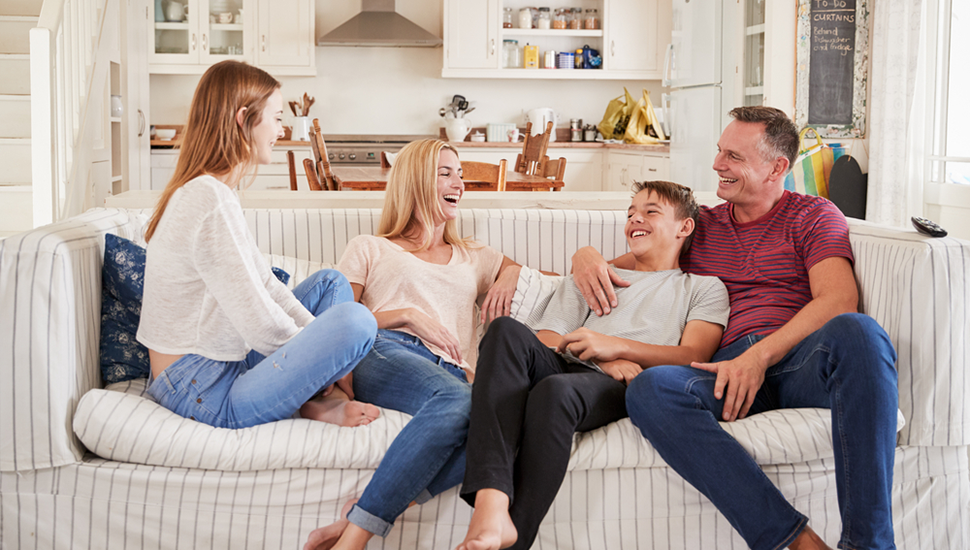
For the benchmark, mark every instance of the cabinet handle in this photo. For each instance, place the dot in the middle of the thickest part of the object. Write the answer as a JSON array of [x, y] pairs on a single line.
[[193, 41], [493, 46], [651, 169], [141, 123], [612, 48], [205, 42], [263, 40], [668, 57]]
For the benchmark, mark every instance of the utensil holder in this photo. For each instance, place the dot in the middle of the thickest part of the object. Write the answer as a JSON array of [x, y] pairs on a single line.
[[301, 128]]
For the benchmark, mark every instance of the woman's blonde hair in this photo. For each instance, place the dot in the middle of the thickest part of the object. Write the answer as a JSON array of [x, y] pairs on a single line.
[[212, 142], [411, 197]]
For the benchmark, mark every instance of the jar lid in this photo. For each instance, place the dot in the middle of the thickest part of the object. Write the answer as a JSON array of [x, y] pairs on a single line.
[[590, 10], [510, 41], [543, 9]]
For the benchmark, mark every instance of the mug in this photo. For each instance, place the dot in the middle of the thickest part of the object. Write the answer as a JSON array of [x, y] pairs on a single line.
[[513, 135]]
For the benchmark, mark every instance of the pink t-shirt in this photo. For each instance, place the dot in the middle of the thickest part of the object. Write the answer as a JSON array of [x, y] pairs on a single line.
[[396, 279]]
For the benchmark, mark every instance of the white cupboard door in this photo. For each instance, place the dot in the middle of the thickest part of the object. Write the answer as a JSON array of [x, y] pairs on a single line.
[[284, 36], [625, 168], [656, 168], [635, 35], [695, 44], [174, 36], [584, 168], [471, 34]]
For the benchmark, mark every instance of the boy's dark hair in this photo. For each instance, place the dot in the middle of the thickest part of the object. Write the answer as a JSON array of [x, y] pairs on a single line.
[[678, 196], [781, 134]]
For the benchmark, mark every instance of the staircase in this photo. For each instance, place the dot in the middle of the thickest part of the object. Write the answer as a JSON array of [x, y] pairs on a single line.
[[17, 17]]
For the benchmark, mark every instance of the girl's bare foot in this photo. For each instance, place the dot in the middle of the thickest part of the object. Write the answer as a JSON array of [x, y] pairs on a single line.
[[491, 527], [325, 537], [338, 409]]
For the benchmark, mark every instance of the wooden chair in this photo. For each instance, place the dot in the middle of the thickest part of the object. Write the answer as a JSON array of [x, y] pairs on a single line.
[[530, 161], [554, 170], [483, 176], [319, 175]]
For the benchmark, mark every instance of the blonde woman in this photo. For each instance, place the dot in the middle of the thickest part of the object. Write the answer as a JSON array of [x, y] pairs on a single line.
[[421, 280], [229, 345]]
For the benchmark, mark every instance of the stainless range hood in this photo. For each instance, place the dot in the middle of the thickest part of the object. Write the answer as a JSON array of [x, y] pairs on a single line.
[[378, 24]]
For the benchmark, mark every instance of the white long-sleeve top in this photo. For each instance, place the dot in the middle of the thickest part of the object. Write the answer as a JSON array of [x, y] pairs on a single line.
[[208, 290]]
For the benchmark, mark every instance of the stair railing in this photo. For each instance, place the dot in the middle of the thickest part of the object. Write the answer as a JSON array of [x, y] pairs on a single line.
[[69, 68]]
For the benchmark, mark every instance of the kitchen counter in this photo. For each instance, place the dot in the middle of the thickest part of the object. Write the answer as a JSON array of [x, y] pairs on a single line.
[[546, 200], [565, 145]]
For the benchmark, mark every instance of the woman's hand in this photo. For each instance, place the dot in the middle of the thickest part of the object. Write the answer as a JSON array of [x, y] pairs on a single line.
[[498, 300], [621, 369], [433, 332]]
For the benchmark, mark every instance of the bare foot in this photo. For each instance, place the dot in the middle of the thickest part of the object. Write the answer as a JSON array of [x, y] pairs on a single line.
[[491, 527], [338, 409], [808, 540], [325, 537]]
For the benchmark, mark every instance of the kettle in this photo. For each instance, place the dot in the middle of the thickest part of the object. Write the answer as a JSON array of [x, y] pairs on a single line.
[[539, 117]]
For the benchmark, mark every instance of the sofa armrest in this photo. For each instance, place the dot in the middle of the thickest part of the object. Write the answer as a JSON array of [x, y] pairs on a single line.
[[915, 287], [50, 319]]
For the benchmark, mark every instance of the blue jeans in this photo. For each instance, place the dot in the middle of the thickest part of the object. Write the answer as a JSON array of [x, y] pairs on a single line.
[[257, 390], [846, 366], [428, 456]]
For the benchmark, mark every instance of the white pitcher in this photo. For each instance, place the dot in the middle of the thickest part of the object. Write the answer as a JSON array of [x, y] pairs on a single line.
[[457, 128], [175, 11]]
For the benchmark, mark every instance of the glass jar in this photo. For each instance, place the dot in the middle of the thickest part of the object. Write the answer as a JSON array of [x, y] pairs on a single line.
[[592, 20], [575, 18], [507, 18], [525, 18], [545, 19], [512, 54], [559, 18]]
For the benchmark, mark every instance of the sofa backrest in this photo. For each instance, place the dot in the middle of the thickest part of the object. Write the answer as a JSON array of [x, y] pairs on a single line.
[[50, 284]]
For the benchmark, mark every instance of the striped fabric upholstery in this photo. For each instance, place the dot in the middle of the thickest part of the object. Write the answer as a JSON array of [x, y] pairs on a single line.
[[55, 495]]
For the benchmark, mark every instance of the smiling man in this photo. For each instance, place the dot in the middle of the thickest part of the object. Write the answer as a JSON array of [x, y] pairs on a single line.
[[794, 339], [533, 392]]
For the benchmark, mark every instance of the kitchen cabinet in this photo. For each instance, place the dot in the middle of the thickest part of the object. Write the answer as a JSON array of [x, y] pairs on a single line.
[[626, 167], [275, 35], [273, 176], [630, 39]]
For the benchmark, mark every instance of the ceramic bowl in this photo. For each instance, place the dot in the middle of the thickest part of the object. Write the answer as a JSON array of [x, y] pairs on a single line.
[[165, 134]]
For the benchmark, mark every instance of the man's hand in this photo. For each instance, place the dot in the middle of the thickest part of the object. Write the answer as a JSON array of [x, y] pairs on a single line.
[[621, 369], [591, 346], [743, 377], [498, 300], [595, 279]]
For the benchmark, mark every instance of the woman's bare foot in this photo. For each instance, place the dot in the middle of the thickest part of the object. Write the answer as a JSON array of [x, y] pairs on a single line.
[[338, 409], [325, 537], [491, 527]]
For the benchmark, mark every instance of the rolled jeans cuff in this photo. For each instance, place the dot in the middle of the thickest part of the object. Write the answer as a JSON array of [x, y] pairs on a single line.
[[424, 496], [369, 522]]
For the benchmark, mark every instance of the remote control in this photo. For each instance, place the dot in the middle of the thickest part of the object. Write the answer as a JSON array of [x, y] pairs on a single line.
[[928, 227]]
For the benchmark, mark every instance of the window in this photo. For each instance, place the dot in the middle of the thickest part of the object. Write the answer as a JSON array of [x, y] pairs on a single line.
[[950, 138]]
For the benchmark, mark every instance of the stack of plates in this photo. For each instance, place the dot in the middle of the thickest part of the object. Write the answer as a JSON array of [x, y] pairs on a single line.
[[498, 131]]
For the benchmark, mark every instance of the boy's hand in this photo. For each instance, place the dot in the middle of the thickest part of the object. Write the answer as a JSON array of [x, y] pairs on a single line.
[[621, 369], [587, 345]]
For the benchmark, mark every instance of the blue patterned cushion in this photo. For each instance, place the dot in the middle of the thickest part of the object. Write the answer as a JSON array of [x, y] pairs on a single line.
[[122, 283]]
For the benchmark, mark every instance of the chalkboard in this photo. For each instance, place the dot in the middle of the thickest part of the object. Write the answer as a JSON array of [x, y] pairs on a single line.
[[832, 66]]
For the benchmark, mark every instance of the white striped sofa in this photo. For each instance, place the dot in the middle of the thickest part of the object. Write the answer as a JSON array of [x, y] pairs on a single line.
[[193, 486]]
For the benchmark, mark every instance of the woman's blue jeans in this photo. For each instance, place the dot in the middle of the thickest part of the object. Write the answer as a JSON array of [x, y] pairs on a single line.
[[258, 389], [847, 366], [428, 455]]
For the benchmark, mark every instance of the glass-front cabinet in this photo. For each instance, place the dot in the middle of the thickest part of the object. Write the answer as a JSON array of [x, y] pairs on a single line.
[[754, 52], [192, 32]]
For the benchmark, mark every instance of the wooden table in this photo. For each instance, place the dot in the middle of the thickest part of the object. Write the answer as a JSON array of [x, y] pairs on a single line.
[[374, 178]]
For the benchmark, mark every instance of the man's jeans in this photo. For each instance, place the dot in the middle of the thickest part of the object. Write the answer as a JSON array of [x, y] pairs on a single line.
[[848, 366], [428, 456], [257, 390]]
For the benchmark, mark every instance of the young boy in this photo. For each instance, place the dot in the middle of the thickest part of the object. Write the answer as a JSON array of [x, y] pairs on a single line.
[[532, 392]]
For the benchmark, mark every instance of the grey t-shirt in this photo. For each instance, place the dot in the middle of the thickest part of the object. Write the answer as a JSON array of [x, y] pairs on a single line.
[[654, 309]]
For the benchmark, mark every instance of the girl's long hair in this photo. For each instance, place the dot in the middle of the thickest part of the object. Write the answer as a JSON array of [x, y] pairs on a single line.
[[212, 142], [412, 189]]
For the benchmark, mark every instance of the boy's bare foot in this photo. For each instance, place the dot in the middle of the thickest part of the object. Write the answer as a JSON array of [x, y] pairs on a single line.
[[808, 540], [491, 527], [338, 409], [325, 537]]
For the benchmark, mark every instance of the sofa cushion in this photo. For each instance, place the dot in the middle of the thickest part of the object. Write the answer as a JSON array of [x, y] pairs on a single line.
[[122, 286]]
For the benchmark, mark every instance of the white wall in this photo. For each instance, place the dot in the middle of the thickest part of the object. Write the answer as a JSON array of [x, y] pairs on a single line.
[[399, 90]]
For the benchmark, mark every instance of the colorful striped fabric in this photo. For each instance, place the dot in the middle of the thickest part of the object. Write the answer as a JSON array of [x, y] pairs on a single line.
[[810, 172]]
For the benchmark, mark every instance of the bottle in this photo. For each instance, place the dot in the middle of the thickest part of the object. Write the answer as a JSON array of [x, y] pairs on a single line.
[[592, 20], [578, 59], [525, 18], [545, 20], [550, 60], [507, 18]]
